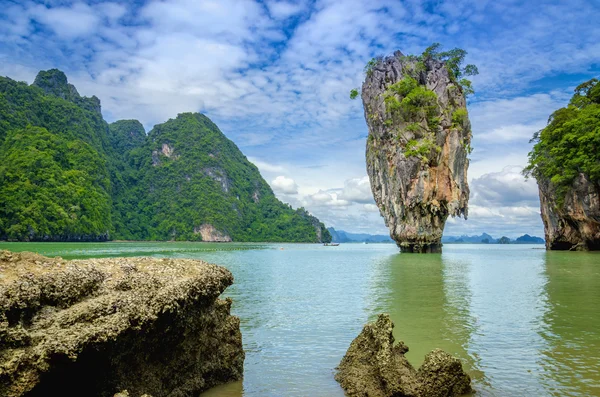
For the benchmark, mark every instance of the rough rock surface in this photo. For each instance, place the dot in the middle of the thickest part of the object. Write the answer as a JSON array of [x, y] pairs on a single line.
[[100, 326], [574, 225], [374, 367], [415, 193], [210, 234]]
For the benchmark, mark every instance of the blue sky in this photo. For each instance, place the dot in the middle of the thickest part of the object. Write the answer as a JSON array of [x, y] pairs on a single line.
[[275, 76]]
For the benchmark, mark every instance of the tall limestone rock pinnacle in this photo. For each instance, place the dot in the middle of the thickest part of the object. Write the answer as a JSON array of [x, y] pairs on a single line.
[[419, 139]]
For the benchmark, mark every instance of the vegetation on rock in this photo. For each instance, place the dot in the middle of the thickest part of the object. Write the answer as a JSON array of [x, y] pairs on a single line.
[[418, 143], [66, 174], [569, 144]]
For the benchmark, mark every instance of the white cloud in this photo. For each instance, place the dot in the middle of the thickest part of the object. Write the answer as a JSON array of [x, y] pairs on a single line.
[[357, 190], [284, 185], [284, 9], [371, 208], [505, 188], [501, 203], [327, 199], [265, 167], [68, 22]]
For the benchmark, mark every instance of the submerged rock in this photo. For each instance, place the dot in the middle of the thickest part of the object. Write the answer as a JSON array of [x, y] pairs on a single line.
[[573, 224], [101, 326], [374, 367], [419, 139]]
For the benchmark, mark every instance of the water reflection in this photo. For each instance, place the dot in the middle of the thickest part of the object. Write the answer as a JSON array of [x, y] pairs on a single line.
[[428, 299], [570, 363], [524, 322], [508, 302]]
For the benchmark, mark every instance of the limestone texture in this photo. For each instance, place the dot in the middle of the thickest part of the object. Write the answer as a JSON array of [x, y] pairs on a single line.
[[417, 148], [98, 327], [376, 367], [573, 224]]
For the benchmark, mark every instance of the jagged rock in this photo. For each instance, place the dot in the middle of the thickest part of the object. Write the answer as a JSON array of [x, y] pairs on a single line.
[[374, 367], [442, 375], [575, 223], [54, 82], [99, 326], [416, 149]]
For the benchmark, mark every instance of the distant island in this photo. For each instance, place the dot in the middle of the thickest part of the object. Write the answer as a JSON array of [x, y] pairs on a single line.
[[341, 236], [485, 238]]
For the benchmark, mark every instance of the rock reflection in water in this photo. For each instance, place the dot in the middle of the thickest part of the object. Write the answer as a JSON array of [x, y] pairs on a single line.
[[571, 359]]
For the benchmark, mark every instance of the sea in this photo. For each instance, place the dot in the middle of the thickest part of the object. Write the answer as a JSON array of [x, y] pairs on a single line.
[[524, 321]]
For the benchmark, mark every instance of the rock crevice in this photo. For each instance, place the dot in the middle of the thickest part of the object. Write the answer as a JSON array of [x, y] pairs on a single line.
[[573, 224]]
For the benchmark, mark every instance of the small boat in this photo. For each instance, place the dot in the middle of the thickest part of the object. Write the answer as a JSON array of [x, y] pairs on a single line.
[[331, 244]]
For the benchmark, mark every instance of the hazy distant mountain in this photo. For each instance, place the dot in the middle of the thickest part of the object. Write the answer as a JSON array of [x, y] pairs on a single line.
[[483, 239], [527, 239], [487, 239], [340, 236]]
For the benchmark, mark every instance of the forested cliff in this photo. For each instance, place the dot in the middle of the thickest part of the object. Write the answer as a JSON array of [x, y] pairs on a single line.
[[67, 175], [565, 161]]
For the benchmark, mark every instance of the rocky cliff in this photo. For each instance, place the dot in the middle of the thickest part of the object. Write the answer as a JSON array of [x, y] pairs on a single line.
[[96, 327], [573, 224], [376, 367], [565, 160], [419, 139]]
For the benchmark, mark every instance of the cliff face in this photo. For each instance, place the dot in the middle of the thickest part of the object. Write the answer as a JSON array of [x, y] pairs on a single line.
[[419, 139], [574, 224], [96, 327], [566, 163]]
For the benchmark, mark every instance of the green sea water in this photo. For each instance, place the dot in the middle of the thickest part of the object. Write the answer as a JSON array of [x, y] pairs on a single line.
[[525, 322]]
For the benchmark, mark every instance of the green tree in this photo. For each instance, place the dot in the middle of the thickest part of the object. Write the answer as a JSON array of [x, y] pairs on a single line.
[[568, 146]]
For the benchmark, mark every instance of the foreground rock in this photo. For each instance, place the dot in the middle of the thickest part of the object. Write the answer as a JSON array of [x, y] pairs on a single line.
[[419, 139], [573, 224], [374, 367], [100, 326]]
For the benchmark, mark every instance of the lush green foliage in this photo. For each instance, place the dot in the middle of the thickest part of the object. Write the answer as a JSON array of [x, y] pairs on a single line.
[[190, 174], [66, 175], [569, 144], [407, 99], [459, 117], [354, 93], [371, 64], [52, 188], [453, 60], [126, 135], [421, 148]]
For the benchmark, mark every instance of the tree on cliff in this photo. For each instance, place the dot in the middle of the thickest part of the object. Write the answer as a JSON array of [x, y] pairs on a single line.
[[569, 144]]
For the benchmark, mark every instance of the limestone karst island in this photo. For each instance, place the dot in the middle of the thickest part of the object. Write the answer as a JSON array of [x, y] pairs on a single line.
[[245, 198]]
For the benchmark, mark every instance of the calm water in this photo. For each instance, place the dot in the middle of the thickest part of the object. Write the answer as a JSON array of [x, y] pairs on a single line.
[[525, 322]]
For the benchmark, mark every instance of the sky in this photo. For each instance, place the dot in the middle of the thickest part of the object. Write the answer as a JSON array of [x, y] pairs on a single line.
[[275, 77]]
